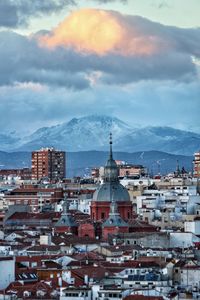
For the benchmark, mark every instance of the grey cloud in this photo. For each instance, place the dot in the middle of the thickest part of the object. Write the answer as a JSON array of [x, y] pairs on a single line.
[[144, 103], [174, 66], [17, 13], [23, 60]]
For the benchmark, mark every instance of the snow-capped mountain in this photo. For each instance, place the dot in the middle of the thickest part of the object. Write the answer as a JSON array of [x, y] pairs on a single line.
[[92, 133], [79, 134], [164, 139]]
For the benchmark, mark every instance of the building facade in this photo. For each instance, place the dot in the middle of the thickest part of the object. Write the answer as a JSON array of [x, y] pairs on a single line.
[[196, 162], [36, 198], [48, 163], [24, 174], [129, 170]]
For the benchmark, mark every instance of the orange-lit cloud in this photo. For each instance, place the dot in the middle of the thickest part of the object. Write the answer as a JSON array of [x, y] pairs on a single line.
[[101, 32]]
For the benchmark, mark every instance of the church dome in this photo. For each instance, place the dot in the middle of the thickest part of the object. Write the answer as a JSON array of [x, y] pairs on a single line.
[[109, 191]]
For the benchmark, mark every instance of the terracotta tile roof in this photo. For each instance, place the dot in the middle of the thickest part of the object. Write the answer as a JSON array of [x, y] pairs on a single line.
[[122, 248], [37, 216], [75, 240], [97, 273], [50, 264], [57, 240], [36, 258], [152, 260], [137, 225], [118, 267], [35, 190], [43, 248], [90, 256], [75, 263], [141, 297], [19, 289]]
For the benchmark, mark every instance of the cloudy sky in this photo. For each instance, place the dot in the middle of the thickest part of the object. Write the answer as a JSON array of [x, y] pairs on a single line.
[[138, 60]]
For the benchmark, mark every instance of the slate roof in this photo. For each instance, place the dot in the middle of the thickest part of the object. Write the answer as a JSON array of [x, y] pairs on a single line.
[[66, 220], [114, 219]]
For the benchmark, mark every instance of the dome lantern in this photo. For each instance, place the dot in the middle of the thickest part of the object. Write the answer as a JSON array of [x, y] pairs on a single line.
[[111, 171]]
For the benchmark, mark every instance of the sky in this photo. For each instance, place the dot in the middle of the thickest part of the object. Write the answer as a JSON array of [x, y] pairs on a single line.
[[138, 60]]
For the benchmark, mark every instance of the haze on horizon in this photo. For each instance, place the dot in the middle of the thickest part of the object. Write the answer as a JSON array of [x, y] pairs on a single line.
[[135, 60]]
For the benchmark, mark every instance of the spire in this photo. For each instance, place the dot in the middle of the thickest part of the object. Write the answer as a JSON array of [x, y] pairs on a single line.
[[177, 168], [111, 171], [111, 155], [65, 208]]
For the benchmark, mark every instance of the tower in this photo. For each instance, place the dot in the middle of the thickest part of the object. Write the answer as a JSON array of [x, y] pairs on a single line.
[[110, 190], [114, 224], [196, 162], [66, 222], [48, 163]]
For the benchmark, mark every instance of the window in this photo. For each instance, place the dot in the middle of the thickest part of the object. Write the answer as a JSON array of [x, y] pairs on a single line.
[[102, 215]]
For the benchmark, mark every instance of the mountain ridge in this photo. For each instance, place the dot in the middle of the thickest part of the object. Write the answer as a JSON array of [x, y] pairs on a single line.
[[80, 163], [92, 133]]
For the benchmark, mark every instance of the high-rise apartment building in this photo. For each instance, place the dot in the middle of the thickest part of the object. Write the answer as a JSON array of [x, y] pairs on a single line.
[[196, 162], [48, 163]]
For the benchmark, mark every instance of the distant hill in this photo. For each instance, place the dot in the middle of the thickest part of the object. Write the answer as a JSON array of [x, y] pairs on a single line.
[[7, 141], [80, 163], [154, 160], [92, 133], [12, 160]]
